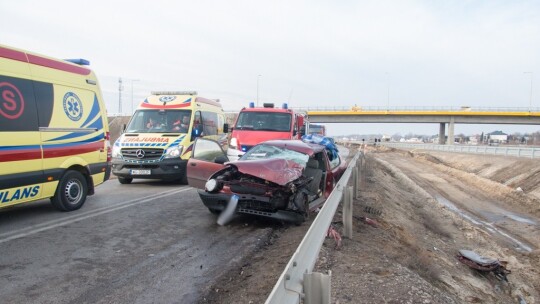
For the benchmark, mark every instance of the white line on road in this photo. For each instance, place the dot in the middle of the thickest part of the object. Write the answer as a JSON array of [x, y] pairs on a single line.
[[6, 237]]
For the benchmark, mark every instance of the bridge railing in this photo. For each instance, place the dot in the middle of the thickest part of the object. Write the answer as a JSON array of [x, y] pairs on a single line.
[[416, 109], [474, 149]]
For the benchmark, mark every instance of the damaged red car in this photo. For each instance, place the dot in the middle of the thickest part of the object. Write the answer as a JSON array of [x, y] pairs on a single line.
[[280, 179]]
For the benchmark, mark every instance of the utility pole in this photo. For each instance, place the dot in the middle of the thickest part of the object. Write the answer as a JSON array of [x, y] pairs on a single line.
[[388, 95], [258, 76], [132, 80], [120, 88], [530, 95]]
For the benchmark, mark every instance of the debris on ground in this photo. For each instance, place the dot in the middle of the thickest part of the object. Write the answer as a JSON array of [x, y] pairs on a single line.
[[480, 263]]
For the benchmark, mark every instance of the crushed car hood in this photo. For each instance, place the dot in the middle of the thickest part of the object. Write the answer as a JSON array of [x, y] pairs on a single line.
[[279, 171]]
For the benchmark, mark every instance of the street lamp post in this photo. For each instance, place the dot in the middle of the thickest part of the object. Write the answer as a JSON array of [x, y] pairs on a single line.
[[258, 76], [530, 95], [132, 80], [388, 95]]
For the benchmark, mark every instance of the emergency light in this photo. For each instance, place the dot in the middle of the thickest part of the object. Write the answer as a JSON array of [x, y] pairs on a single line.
[[174, 93], [79, 61]]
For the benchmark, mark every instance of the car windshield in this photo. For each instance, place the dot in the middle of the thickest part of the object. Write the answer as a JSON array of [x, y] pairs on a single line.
[[264, 151], [159, 121], [264, 121]]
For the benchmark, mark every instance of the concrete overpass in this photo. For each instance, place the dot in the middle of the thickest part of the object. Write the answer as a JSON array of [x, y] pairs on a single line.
[[443, 116]]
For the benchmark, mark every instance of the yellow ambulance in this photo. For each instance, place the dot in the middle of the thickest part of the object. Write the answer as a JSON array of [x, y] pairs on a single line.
[[157, 142], [54, 136]]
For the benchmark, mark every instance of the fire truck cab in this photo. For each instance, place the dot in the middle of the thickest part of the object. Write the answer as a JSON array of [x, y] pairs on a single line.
[[255, 125]]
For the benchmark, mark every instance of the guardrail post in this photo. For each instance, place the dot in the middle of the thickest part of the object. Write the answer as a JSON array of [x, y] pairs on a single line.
[[348, 213], [317, 288], [355, 180]]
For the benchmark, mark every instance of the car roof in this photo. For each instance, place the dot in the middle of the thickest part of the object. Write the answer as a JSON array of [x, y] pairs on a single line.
[[296, 145]]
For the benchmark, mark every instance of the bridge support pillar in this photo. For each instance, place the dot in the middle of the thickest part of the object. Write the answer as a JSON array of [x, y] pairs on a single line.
[[451, 131], [441, 133]]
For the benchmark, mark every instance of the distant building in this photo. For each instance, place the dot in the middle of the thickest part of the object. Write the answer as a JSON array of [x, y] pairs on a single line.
[[497, 137], [474, 139]]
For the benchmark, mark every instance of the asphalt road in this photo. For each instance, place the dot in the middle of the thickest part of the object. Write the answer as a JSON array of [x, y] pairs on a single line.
[[147, 242]]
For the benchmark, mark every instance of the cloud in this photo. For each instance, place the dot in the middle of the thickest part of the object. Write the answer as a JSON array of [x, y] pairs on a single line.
[[314, 53]]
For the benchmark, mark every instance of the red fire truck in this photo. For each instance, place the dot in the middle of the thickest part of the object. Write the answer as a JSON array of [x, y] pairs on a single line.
[[254, 125]]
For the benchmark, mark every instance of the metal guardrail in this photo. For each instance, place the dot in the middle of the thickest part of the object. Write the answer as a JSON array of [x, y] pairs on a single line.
[[474, 149], [291, 285]]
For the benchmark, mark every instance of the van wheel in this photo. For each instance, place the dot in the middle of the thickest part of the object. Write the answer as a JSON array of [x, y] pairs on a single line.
[[183, 180], [125, 180], [71, 192]]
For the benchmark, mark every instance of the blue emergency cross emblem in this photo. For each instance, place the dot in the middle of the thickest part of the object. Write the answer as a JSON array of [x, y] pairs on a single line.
[[73, 106]]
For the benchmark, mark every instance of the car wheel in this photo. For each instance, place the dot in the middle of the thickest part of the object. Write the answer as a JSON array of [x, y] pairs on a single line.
[[301, 203], [214, 211], [125, 180], [307, 212], [71, 192]]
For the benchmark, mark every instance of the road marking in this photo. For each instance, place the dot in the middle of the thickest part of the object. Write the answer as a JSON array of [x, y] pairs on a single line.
[[8, 236]]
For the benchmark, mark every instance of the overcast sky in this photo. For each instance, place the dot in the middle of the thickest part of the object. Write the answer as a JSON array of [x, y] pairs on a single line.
[[307, 53]]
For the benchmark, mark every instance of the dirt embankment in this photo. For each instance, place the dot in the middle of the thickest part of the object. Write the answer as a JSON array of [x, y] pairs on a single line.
[[407, 254]]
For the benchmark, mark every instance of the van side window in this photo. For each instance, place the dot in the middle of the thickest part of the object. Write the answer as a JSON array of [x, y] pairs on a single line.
[[197, 129], [17, 105], [210, 123], [45, 102]]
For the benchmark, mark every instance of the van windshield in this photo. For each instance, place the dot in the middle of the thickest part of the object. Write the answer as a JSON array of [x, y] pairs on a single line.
[[159, 121], [264, 121]]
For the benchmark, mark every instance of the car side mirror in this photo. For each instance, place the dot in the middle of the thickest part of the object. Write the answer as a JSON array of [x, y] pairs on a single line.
[[226, 128], [221, 159], [123, 128]]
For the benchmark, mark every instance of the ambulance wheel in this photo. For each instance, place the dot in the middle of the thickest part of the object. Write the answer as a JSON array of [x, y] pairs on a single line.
[[125, 180], [71, 192]]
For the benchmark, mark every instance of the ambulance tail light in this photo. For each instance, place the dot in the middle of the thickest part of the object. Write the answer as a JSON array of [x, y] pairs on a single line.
[[108, 145]]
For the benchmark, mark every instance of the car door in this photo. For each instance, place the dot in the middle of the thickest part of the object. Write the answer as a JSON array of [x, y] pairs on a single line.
[[207, 157]]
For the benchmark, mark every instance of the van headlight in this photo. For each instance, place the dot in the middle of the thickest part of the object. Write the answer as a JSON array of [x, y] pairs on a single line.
[[116, 152], [173, 152]]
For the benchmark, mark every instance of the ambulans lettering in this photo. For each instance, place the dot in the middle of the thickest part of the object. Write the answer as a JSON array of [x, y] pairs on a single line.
[[11, 101], [146, 139], [7, 196], [73, 106]]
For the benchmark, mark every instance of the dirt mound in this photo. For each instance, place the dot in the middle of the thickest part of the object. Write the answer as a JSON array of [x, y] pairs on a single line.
[[511, 171]]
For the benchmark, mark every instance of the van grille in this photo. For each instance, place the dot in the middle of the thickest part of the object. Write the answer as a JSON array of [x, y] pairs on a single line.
[[135, 153]]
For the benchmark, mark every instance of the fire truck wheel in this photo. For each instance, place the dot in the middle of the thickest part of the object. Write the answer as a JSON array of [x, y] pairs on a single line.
[[71, 192]]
